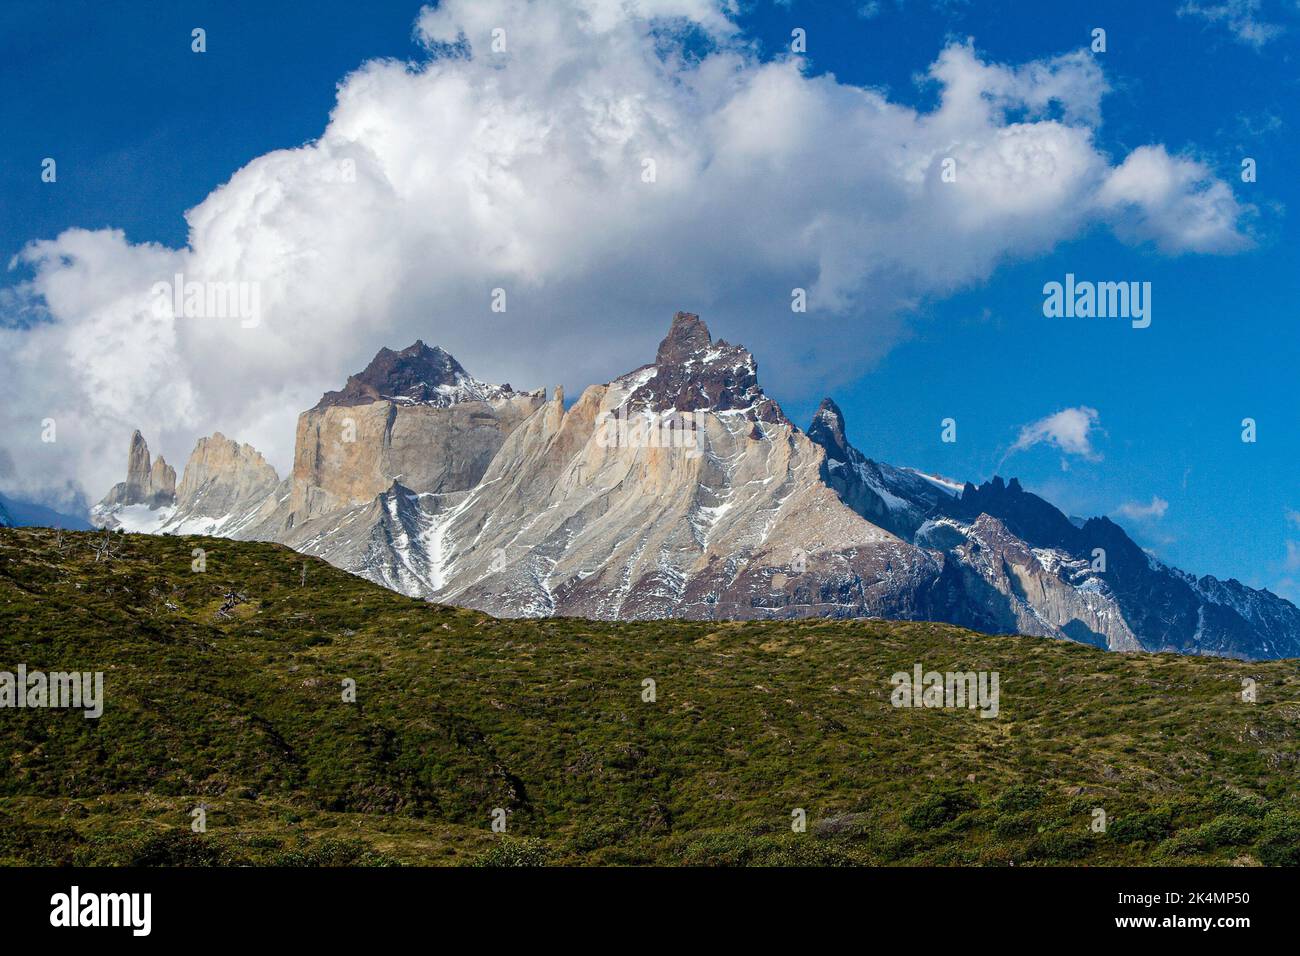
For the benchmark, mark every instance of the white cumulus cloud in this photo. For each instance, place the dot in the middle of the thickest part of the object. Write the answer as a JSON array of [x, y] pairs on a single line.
[[524, 168], [1070, 430]]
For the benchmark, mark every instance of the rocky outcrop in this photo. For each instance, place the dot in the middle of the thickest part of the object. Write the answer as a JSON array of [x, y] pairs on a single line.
[[566, 523], [691, 373], [893, 498], [1012, 551], [222, 478], [162, 480], [152, 485], [415, 417], [224, 485], [138, 471], [346, 455], [727, 517], [751, 518], [417, 375], [1012, 562]]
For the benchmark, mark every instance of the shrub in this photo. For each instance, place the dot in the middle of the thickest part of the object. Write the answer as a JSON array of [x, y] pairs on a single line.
[[602, 835], [1016, 825], [331, 853], [45, 845], [511, 851], [935, 811], [804, 852], [1279, 842], [1149, 827], [1061, 845], [1222, 831], [1227, 830], [1241, 804], [1023, 797], [721, 849], [180, 848]]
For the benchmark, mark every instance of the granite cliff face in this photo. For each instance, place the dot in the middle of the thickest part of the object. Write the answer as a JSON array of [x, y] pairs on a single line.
[[221, 480], [345, 455], [567, 521], [414, 418], [682, 490]]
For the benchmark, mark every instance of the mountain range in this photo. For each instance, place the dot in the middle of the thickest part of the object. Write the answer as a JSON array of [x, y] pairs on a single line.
[[677, 490]]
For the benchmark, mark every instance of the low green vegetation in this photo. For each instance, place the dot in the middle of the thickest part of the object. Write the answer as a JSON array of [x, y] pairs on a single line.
[[242, 712]]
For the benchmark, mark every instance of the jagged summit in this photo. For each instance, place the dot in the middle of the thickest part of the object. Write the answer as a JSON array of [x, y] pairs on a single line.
[[827, 430], [1025, 514], [222, 478], [417, 375], [687, 337], [224, 482], [692, 372], [150, 484], [898, 500]]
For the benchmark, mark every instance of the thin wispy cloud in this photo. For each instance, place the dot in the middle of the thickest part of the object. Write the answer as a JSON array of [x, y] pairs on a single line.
[[1241, 18], [1292, 561], [1153, 511]]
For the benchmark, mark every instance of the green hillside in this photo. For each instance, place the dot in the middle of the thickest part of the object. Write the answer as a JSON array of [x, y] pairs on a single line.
[[457, 714]]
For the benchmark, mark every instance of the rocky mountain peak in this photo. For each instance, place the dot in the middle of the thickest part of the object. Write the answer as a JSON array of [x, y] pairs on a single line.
[[137, 461], [223, 474], [827, 430], [1026, 514], [692, 372], [687, 337], [147, 483], [417, 375], [162, 478]]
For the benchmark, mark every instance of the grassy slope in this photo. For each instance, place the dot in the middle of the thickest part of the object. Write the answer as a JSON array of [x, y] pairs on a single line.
[[458, 713]]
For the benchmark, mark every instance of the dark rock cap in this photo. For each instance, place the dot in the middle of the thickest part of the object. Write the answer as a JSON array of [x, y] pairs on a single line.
[[414, 374], [694, 372], [827, 430]]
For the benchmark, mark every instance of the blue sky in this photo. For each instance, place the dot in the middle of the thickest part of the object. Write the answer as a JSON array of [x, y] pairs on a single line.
[[143, 130]]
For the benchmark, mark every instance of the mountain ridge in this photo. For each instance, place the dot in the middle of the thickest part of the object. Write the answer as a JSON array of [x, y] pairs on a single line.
[[707, 502]]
